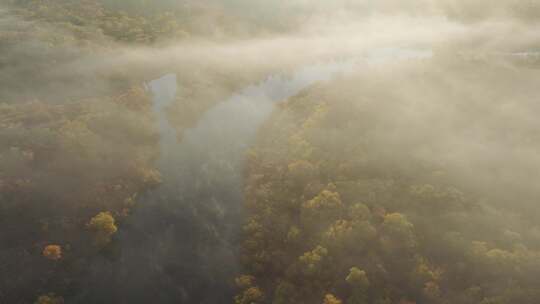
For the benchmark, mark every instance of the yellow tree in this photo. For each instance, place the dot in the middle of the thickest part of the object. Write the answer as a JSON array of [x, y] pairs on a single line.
[[322, 210], [52, 252], [104, 227], [331, 299], [49, 299]]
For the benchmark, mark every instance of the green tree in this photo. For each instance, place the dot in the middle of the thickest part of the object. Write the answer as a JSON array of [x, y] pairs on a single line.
[[322, 210], [312, 261], [359, 283], [398, 233]]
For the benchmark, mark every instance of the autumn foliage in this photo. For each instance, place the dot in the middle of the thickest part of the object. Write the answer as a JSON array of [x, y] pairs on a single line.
[[52, 252], [49, 299], [103, 226], [340, 208]]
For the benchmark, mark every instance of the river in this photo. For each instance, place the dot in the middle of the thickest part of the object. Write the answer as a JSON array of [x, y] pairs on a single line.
[[181, 243]]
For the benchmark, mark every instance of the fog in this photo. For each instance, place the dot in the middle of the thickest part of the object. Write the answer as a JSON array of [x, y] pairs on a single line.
[[238, 151]]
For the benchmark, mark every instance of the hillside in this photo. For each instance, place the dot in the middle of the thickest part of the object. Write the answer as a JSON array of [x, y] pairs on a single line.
[[399, 184]]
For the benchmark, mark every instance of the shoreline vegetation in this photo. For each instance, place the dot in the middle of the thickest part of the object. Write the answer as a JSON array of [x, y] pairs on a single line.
[[411, 182]]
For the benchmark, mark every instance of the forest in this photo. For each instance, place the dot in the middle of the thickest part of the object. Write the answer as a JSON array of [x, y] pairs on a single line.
[[269, 152]]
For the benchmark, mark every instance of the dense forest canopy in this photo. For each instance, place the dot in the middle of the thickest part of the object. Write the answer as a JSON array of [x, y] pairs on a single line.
[[407, 177], [353, 180]]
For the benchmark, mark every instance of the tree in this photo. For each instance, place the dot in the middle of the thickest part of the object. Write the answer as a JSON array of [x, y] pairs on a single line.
[[250, 293], [358, 279], [49, 299], [344, 237], [103, 225], [398, 233], [286, 293], [331, 299], [250, 296], [52, 252], [301, 173], [432, 290], [359, 283], [322, 210], [359, 212], [245, 281], [312, 260]]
